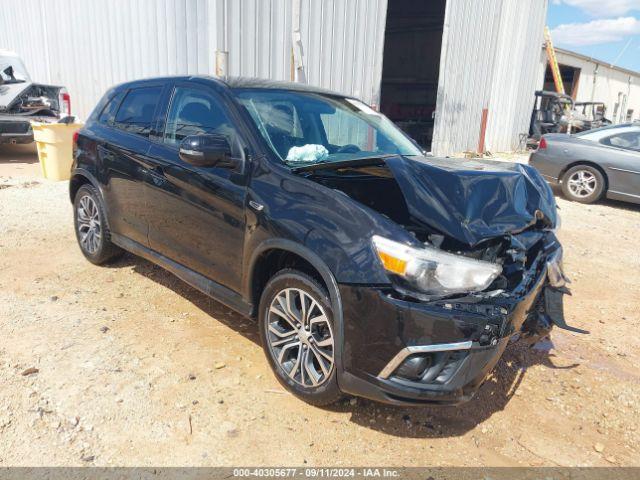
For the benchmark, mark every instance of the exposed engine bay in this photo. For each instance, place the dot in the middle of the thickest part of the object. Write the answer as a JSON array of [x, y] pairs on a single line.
[[501, 214], [40, 100], [23, 101]]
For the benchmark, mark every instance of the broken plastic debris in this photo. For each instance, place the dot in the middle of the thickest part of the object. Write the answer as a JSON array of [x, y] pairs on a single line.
[[307, 153]]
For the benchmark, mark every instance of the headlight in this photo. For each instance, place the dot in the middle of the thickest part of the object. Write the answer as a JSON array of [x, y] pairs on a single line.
[[431, 271]]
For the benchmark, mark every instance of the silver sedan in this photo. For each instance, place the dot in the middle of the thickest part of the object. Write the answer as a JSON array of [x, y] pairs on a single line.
[[592, 164]]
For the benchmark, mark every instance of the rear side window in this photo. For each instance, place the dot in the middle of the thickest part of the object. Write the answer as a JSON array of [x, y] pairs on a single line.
[[626, 140], [108, 114], [136, 111]]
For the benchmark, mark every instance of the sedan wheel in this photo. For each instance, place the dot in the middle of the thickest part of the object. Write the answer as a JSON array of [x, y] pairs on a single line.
[[583, 183]]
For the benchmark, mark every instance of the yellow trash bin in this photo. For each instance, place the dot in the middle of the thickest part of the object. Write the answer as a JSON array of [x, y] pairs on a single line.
[[55, 148]]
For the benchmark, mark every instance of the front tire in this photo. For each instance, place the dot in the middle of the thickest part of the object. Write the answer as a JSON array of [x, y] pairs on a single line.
[[583, 183], [299, 337], [92, 230]]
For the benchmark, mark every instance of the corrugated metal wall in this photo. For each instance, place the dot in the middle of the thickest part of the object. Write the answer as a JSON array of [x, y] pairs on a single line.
[[608, 85], [490, 56], [489, 59], [89, 45]]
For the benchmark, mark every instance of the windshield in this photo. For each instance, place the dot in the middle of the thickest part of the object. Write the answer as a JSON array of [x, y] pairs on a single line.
[[305, 128], [12, 70]]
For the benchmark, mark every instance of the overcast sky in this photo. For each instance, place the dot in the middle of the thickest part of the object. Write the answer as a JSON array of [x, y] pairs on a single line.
[[605, 29]]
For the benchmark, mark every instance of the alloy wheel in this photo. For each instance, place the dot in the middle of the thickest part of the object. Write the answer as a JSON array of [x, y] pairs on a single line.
[[89, 229], [300, 337], [582, 183]]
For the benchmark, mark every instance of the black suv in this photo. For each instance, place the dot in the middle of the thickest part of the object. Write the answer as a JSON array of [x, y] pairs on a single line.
[[373, 270]]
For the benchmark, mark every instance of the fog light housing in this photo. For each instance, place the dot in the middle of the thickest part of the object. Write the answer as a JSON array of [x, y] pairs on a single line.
[[414, 367]]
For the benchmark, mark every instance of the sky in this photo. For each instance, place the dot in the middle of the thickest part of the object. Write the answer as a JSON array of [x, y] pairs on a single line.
[[608, 30]]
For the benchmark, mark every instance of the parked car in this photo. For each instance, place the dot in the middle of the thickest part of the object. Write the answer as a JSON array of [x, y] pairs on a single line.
[[23, 101], [372, 270], [593, 164], [592, 115]]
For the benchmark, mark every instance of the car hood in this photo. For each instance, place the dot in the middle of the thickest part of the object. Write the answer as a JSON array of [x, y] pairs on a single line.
[[472, 200], [10, 91]]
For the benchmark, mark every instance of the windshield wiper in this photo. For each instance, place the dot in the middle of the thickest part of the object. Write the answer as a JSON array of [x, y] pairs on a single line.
[[352, 162]]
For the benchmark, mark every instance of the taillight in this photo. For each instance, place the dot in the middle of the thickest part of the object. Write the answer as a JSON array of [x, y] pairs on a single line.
[[64, 100], [543, 144], [74, 147]]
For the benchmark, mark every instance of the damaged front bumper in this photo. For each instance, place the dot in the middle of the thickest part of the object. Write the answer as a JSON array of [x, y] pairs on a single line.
[[408, 352]]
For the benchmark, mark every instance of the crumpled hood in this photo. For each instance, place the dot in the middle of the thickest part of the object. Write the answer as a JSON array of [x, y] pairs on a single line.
[[472, 200]]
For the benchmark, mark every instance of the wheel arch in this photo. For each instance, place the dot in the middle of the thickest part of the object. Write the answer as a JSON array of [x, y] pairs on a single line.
[[261, 268], [81, 177]]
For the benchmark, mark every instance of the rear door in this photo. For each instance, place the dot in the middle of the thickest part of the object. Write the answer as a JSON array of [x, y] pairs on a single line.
[[123, 156], [623, 162], [197, 215]]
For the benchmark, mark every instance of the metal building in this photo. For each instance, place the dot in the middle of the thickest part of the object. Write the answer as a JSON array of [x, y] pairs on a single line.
[[432, 66], [587, 79]]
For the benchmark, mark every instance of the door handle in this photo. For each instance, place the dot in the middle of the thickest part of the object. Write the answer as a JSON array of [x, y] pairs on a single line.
[[157, 171], [157, 176]]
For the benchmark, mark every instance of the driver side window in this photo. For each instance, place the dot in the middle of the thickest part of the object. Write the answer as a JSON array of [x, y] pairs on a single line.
[[196, 112]]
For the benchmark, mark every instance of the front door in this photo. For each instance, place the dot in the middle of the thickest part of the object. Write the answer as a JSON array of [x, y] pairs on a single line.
[[197, 215]]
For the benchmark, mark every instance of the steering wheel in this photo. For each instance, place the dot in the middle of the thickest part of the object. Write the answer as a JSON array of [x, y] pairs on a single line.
[[350, 148]]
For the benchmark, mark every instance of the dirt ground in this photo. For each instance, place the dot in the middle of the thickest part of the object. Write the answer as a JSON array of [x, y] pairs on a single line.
[[136, 368]]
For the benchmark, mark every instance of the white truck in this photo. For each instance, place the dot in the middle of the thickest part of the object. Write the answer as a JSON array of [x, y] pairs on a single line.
[[23, 101]]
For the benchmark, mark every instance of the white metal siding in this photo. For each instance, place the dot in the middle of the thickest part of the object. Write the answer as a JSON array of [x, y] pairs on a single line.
[[490, 51], [490, 56], [608, 85], [90, 45]]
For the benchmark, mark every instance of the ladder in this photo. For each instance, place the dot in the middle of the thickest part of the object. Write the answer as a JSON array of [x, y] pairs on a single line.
[[553, 61]]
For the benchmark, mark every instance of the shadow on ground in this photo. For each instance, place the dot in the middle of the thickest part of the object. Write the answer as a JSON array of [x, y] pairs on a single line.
[[632, 207], [413, 422], [18, 153], [236, 322], [443, 422]]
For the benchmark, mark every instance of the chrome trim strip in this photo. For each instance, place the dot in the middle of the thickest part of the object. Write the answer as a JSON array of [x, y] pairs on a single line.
[[195, 153], [405, 352], [622, 193], [623, 170]]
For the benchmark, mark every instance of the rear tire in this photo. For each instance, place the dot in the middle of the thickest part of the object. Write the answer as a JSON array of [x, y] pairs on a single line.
[[91, 226], [583, 183], [298, 336]]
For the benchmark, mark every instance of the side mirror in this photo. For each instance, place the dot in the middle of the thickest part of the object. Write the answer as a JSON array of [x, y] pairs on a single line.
[[9, 72], [207, 150]]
